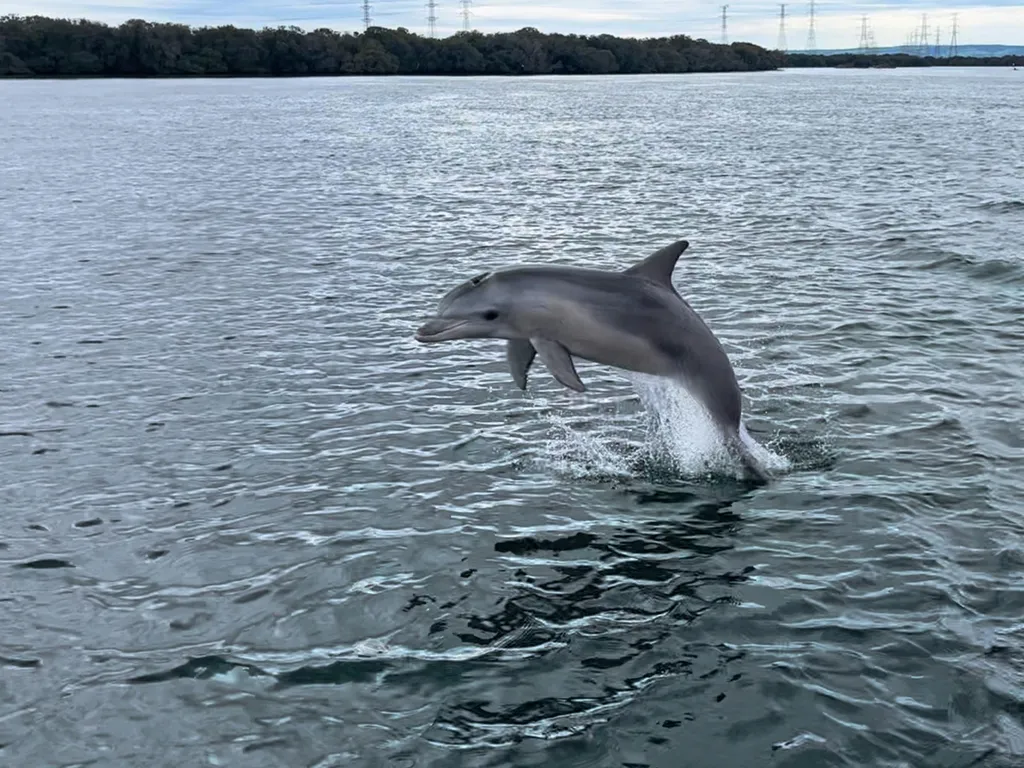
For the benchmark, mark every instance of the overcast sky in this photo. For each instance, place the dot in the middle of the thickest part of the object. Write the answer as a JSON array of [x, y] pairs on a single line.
[[837, 26]]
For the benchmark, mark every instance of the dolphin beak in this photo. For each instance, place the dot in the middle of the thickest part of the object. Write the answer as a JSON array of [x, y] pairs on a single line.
[[439, 329]]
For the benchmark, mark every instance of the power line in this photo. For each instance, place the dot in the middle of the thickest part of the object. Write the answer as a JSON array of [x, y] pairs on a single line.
[[466, 13], [812, 42], [725, 33], [432, 17], [782, 27]]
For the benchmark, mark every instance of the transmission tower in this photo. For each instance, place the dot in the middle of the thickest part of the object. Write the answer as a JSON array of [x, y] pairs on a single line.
[[812, 42], [937, 42], [952, 39], [924, 34], [466, 13], [782, 27], [725, 32], [366, 14], [864, 45], [432, 17]]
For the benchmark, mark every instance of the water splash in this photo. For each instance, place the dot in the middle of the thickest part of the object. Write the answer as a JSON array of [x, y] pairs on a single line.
[[678, 439], [680, 432], [580, 452]]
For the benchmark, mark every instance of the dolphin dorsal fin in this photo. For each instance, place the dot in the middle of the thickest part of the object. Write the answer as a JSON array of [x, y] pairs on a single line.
[[660, 264]]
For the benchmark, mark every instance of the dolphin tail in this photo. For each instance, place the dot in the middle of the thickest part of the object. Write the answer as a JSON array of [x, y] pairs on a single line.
[[753, 467]]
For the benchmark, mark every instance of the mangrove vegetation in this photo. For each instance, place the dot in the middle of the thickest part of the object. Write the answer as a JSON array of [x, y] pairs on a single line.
[[37, 46]]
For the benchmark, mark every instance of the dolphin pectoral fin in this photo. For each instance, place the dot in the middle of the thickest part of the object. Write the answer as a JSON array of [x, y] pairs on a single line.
[[520, 354], [559, 362], [660, 264]]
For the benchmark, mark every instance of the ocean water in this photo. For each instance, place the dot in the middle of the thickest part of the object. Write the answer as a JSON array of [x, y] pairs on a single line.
[[249, 521]]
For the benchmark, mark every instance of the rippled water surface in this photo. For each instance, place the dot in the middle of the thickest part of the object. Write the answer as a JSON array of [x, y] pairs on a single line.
[[248, 520]]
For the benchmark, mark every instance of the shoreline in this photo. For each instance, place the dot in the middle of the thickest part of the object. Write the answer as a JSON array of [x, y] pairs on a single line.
[[468, 76]]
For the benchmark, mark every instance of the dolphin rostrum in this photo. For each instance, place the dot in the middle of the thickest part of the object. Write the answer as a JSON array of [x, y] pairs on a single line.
[[633, 320]]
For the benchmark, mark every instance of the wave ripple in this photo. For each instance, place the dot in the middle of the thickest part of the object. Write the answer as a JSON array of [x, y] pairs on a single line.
[[249, 520]]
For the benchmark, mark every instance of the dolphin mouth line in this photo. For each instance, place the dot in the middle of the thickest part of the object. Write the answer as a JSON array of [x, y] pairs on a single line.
[[429, 332]]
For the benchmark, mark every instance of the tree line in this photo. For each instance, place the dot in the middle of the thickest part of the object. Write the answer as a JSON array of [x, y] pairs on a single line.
[[38, 46], [888, 60], [49, 47]]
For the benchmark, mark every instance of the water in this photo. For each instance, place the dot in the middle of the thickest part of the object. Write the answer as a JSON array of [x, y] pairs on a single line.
[[248, 520]]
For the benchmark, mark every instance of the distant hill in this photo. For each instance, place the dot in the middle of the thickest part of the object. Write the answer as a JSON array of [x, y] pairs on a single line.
[[980, 51]]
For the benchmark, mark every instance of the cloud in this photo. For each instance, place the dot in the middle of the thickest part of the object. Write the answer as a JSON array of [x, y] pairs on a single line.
[[837, 22]]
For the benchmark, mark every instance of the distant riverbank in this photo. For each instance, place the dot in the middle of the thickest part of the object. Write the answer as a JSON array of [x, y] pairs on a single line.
[[894, 60], [38, 46]]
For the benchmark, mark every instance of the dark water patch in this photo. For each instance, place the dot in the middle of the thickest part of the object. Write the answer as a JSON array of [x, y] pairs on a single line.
[[190, 623], [530, 545], [20, 663], [201, 668], [991, 268], [15, 433], [1003, 206], [88, 523], [945, 392], [336, 673], [265, 744], [252, 596], [46, 563]]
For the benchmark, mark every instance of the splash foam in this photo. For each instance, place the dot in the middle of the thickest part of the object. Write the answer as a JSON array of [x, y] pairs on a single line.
[[680, 432], [584, 454], [680, 439]]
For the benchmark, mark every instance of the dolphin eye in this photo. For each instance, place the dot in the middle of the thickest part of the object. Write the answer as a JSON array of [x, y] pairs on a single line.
[[490, 314]]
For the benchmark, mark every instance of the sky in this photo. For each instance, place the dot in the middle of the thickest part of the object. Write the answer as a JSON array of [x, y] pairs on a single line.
[[837, 22]]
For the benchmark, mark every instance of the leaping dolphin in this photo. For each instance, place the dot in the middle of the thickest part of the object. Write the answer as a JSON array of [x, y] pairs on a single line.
[[633, 320]]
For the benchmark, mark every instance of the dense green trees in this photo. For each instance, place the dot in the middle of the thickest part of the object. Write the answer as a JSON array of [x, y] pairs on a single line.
[[46, 47], [867, 60]]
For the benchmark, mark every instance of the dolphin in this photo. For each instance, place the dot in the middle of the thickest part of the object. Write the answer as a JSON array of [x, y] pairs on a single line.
[[633, 320]]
